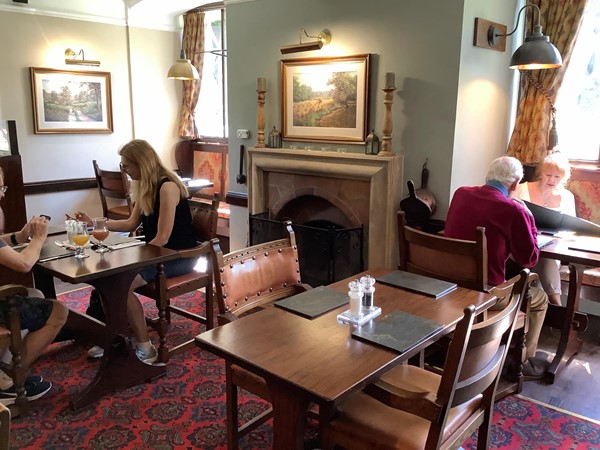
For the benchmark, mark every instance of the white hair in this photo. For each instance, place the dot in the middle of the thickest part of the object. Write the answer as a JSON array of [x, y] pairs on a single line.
[[506, 170]]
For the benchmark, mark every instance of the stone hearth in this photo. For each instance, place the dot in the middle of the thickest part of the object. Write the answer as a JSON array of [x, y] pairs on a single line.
[[366, 189]]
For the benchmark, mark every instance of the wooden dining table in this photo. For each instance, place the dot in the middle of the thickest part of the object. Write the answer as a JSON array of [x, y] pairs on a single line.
[[582, 252], [111, 274], [318, 360]]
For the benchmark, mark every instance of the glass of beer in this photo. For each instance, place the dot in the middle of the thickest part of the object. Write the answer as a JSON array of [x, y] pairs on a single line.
[[80, 238]]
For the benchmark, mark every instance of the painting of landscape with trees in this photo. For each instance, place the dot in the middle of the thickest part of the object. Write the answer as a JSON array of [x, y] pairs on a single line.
[[71, 102], [325, 99]]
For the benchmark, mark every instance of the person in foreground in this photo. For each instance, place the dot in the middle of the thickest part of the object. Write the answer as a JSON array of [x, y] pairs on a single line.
[[510, 231], [549, 191], [161, 207], [41, 319]]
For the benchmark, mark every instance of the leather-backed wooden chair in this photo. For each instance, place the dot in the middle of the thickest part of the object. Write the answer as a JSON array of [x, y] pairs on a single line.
[[10, 337], [248, 280], [113, 185], [163, 289], [409, 407], [4, 427], [464, 263]]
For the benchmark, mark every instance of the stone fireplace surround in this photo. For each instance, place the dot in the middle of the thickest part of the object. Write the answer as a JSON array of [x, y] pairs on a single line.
[[366, 188]]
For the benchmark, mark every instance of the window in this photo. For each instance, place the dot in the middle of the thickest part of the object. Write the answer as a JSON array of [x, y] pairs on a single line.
[[211, 110], [578, 101]]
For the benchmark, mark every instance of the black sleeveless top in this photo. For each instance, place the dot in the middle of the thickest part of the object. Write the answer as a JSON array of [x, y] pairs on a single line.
[[183, 235]]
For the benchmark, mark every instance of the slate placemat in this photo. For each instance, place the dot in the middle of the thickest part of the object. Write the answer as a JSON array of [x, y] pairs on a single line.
[[315, 302], [417, 283], [397, 331]]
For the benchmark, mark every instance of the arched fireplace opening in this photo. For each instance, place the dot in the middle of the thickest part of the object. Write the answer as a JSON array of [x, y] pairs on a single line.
[[330, 248]]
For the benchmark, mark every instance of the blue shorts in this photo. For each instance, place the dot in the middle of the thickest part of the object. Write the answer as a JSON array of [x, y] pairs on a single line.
[[33, 311], [172, 269]]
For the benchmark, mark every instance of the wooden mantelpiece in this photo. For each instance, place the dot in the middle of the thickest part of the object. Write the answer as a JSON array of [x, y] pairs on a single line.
[[366, 188]]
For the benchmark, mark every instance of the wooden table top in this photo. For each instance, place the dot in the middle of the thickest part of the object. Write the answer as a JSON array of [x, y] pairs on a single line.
[[319, 356], [99, 265], [560, 248]]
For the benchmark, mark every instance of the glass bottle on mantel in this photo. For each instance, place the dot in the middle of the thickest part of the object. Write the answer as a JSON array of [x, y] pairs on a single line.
[[274, 140], [356, 294]]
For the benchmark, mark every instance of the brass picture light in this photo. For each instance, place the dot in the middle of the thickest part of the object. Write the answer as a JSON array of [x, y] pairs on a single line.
[[323, 38]]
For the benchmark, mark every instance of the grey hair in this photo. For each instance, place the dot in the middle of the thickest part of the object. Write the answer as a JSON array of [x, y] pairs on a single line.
[[506, 170]]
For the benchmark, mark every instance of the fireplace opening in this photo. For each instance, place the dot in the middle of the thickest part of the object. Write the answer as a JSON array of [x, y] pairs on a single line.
[[327, 251]]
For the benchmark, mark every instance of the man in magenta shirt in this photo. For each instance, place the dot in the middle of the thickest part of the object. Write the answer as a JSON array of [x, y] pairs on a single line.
[[510, 231]]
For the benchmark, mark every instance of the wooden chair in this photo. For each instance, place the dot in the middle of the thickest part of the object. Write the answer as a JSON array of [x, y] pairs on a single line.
[[10, 337], [204, 221], [245, 281], [114, 185], [464, 263], [4, 427], [409, 407]]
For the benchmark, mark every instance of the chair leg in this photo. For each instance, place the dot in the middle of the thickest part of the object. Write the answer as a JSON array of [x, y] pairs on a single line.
[[4, 427], [485, 429], [231, 394], [210, 318]]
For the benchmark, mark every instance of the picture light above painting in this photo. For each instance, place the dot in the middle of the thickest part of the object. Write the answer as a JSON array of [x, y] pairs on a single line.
[[71, 102]]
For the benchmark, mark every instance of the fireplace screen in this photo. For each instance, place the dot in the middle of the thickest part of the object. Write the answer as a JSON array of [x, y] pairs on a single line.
[[326, 251]]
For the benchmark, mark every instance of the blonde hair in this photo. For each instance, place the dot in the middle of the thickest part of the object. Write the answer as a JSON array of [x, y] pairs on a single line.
[[555, 161], [152, 170]]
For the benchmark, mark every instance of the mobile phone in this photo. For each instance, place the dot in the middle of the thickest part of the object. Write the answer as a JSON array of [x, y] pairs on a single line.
[[48, 218]]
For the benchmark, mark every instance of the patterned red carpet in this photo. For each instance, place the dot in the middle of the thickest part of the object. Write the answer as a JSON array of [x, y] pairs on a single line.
[[186, 409]]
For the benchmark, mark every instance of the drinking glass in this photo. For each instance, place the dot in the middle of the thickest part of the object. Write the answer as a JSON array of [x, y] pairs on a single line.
[[100, 232], [80, 238]]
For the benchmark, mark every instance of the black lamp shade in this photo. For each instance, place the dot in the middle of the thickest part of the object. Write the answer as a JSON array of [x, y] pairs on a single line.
[[537, 52]]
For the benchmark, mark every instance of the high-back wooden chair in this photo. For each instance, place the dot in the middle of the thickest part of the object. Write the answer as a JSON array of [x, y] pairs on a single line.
[[163, 289], [10, 337], [464, 263], [245, 281], [410, 407], [113, 185], [456, 260]]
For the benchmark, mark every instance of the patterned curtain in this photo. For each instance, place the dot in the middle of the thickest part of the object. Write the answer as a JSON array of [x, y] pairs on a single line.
[[193, 28], [561, 20]]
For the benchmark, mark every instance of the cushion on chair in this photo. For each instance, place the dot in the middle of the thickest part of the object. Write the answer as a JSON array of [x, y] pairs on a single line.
[[590, 276], [391, 428]]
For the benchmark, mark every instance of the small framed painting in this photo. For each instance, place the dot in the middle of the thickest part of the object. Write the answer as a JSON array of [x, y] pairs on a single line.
[[68, 102], [325, 99]]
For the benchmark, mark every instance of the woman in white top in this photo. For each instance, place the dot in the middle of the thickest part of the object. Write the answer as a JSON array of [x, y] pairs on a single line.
[[549, 191]]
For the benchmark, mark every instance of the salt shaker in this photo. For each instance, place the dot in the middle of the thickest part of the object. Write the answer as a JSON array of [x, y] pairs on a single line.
[[69, 225], [368, 287], [355, 293]]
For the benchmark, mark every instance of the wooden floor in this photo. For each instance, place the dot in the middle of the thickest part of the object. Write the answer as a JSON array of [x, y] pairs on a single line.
[[577, 387]]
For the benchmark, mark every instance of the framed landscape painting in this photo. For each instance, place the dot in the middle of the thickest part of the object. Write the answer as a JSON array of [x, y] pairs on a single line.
[[325, 99], [66, 101]]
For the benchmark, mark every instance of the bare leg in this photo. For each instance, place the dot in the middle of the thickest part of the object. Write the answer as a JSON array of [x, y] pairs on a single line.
[[135, 312], [35, 343]]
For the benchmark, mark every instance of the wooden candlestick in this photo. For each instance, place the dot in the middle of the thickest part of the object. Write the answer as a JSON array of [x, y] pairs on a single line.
[[260, 116], [388, 125]]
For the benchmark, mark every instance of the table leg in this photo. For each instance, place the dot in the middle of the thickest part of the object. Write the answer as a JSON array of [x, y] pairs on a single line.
[[289, 416], [120, 368], [570, 343]]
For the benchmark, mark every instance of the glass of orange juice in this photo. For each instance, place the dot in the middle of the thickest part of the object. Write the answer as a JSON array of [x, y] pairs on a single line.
[[80, 238], [100, 232]]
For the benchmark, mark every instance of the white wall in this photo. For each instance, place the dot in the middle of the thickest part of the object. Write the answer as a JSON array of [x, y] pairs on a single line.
[[484, 97], [145, 103]]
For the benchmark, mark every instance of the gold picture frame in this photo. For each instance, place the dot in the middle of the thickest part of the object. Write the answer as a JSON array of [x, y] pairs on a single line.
[[71, 102], [325, 99]]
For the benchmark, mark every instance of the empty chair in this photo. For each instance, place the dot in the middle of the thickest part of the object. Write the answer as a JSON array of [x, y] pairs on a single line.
[[10, 337], [163, 289], [412, 408], [247, 280], [113, 185]]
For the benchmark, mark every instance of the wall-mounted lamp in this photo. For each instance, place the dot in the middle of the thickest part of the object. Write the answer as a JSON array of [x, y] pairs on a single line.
[[323, 38], [72, 58], [537, 52]]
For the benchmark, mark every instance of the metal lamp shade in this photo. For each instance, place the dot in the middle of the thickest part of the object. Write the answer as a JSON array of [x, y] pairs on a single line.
[[537, 52], [183, 70]]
